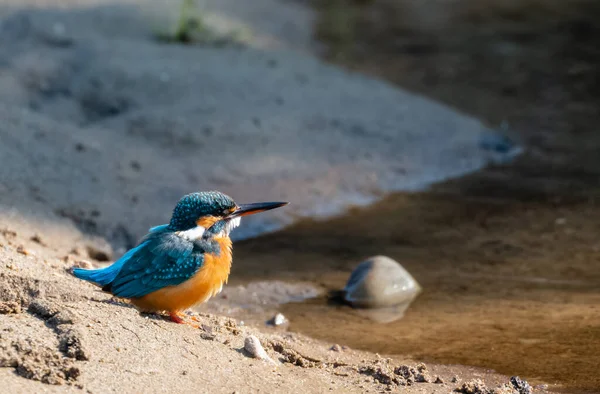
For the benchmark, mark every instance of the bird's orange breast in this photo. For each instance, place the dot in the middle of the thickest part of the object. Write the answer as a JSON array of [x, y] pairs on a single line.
[[206, 283]]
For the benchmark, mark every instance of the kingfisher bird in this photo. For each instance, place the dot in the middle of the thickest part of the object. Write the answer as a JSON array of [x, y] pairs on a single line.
[[180, 264]]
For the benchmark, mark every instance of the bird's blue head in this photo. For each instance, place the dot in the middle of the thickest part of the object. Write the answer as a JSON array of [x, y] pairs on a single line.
[[212, 214]]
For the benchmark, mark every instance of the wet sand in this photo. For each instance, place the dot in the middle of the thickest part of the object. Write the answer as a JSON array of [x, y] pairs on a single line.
[[508, 257], [508, 285]]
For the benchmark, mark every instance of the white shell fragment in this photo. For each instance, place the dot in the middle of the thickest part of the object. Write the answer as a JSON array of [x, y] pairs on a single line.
[[278, 320], [381, 283], [254, 348]]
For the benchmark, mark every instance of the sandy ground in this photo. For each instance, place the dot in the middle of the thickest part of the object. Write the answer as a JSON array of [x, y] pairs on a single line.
[[104, 128], [61, 335]]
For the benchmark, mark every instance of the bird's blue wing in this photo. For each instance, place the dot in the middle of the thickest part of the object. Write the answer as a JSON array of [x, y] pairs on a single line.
[[163, 259]]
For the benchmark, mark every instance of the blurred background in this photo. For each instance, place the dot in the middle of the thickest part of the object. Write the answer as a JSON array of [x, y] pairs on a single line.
[[457, 137]]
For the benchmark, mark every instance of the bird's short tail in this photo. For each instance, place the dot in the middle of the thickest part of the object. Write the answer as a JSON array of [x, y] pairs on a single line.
[[104, 276], [101, 276]]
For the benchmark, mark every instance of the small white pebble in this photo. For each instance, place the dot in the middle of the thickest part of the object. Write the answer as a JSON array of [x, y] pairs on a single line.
[[279, 319], [560, 221], [253, 346]]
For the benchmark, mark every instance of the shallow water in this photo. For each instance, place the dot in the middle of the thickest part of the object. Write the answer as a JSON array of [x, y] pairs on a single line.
[[506, 285]]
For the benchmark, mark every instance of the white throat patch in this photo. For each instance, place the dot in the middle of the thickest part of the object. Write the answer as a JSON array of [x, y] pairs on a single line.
[[231, 224]]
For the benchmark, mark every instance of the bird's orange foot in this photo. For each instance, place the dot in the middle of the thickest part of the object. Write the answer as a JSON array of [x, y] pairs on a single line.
[[195, 318], [176, 318]]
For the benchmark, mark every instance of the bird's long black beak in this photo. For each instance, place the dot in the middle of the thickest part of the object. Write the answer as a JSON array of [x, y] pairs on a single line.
[[257, 207]]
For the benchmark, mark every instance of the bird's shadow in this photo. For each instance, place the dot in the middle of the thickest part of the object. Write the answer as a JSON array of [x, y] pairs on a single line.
[[124, 304], [113, 301]]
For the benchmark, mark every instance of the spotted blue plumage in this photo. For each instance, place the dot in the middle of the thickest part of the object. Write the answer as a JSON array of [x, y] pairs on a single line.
[[161, 259]]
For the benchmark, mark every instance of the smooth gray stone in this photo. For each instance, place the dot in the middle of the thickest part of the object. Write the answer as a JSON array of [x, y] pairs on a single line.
[[380, 282]]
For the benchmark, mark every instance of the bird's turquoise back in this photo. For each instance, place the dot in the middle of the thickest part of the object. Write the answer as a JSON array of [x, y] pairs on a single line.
[[161, 259]]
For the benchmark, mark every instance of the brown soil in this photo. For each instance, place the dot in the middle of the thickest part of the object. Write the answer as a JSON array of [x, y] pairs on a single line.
[[508, 257], [507, 285]]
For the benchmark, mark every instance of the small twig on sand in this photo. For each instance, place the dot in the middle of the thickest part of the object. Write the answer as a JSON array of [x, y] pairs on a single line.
[[133, 332]]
